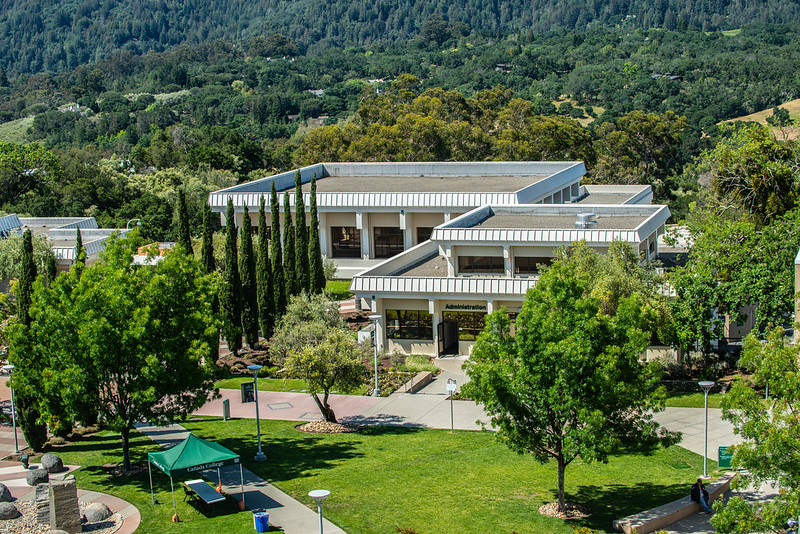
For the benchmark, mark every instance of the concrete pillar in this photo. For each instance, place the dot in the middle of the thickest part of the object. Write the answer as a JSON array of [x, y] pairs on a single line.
[[433, 309], [489, 305], [446, 217], [380, 332], [406, 226], [508, 261], [451, 268], [362, 223], [324, 235]]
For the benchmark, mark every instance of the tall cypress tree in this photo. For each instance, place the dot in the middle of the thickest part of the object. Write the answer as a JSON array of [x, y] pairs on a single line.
[[26, 277], [184, 235], [316, 272], [289, 272], [301, 238], [247, 272], [276, 257], [50, 269], [266, 298], [80, 250], [207, 246], [230, 295]]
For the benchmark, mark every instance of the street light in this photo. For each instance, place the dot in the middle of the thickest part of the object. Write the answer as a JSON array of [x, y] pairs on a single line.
[[138, 223], [375, 318], [319, 497], [451, 388], [706, 385], [8, 369], [255, 368]]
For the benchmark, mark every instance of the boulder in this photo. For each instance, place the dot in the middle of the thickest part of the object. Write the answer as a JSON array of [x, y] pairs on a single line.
[[52, 463], [5, 493], [37, 476], [97, 512], [8, 511]]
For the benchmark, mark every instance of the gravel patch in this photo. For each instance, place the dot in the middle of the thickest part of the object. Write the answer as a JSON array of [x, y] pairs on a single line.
[[322, 427], [574, 511], [26, 522]]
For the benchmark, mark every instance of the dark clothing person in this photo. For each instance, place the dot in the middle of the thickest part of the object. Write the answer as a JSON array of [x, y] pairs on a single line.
[[700, 495]]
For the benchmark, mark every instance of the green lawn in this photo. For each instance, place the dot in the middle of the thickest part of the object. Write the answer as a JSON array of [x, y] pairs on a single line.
[[338, 289], [387, 477], [680, 399], [264, 384]]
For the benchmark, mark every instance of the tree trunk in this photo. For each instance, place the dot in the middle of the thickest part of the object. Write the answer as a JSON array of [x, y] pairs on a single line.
[[126, 449], [325, 409], [562, 466]]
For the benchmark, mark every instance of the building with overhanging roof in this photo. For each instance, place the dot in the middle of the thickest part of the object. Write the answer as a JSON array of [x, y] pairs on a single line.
[[372, 211], [433, 297]]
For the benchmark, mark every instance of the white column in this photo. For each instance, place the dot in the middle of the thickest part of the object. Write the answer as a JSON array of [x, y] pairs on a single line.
[[362, 223], [380, 332], [324, 244], [446, 217], [507, 261], [489, 306], [433, 309], [448, 253], [405, 226]]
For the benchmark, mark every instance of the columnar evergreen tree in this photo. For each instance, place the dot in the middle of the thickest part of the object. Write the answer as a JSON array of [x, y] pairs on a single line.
[[301, 238], [35, 433], [276, 257], [230, 295], [265, 294], [289, 272], [184, 236], [247, 272], [80, 250], [316, 272], [207, 247], [50, 268]]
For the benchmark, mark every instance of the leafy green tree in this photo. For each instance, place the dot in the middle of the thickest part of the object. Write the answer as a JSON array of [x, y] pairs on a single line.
[[25, 168], [265, 293], [276, 256], [230, 295], [301, 249], [289, 272], [307, 320], [337, 362], [569, 383], [27, 275], [247, 272], [780, 117], [316, 271], [11, 254], [119, 340], [182, 215], [770, 435]]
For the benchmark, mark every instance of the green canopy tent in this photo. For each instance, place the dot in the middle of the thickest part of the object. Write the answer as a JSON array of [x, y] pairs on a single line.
[[190, 456]]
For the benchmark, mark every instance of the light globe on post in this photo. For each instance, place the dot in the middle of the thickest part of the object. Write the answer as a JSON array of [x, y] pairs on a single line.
[[375, 318], [8, 369], [128, 224], [706, 385], [255, 368], [319, 497]]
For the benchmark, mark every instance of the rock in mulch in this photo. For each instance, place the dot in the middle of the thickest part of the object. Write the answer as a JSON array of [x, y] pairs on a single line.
[[8, 511], [573, 511], [97, 512], [37, 476], [323, 427], [5, 493], [26, 523], [52, 463]]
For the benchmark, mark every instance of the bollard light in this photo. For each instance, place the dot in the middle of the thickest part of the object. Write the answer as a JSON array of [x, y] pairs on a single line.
[[706, 385], [319, 497], [375, 318]]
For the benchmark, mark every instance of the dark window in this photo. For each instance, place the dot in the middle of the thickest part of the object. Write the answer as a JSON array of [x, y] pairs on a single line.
[[345, 242], [529, 265], [470, 324], [424, 233], [480, 264], [409, 324], [388, 241]]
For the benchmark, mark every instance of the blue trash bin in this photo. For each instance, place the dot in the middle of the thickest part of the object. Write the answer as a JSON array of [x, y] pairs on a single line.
[[261, 520]]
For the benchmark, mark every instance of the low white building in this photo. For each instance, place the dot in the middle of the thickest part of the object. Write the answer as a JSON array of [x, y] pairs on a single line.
[[433, 297], [372, 211]]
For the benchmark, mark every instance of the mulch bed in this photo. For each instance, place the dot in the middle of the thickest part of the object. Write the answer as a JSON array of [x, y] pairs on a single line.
[[574, 511], [323, 427], [116, 470]]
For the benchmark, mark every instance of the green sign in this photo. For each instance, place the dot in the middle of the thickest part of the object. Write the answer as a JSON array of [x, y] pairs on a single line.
[[724, 457]]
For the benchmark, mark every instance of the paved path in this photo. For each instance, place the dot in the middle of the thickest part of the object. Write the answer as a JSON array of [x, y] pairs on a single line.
[[6, 431], [284, 511], [12, 474]]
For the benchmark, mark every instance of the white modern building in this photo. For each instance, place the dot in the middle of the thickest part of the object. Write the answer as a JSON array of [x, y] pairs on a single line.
[[372, 211], [433, 297]]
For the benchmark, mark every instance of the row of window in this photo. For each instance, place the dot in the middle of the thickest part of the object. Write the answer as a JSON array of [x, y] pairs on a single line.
[[388, 240], [494, 264], [418, 324]]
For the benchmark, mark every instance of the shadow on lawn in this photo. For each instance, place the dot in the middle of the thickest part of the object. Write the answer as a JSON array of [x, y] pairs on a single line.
[[614, 501]]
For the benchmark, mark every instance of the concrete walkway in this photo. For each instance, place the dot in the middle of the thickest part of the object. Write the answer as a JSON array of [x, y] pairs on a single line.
[[284, 511]]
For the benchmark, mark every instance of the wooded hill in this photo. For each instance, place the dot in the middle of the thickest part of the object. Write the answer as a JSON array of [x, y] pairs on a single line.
[[52, 35]]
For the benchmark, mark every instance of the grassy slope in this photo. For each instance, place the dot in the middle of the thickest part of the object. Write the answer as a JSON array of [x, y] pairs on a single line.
[[14, 131]]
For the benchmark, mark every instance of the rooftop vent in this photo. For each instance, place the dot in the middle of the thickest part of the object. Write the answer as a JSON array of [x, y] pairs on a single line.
[[586, 220]]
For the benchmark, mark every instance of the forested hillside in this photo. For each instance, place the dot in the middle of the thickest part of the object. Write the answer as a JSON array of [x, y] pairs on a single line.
[[51, 35]]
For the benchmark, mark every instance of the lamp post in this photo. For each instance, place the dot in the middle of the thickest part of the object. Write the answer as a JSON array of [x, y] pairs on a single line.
[[375, 318], [319, 497], [451, 388], [8, 369], [138, 223], [706, 385], [255, 368]]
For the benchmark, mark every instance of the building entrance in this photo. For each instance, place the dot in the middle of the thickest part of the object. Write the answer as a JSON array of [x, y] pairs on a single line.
[[448, 338]]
